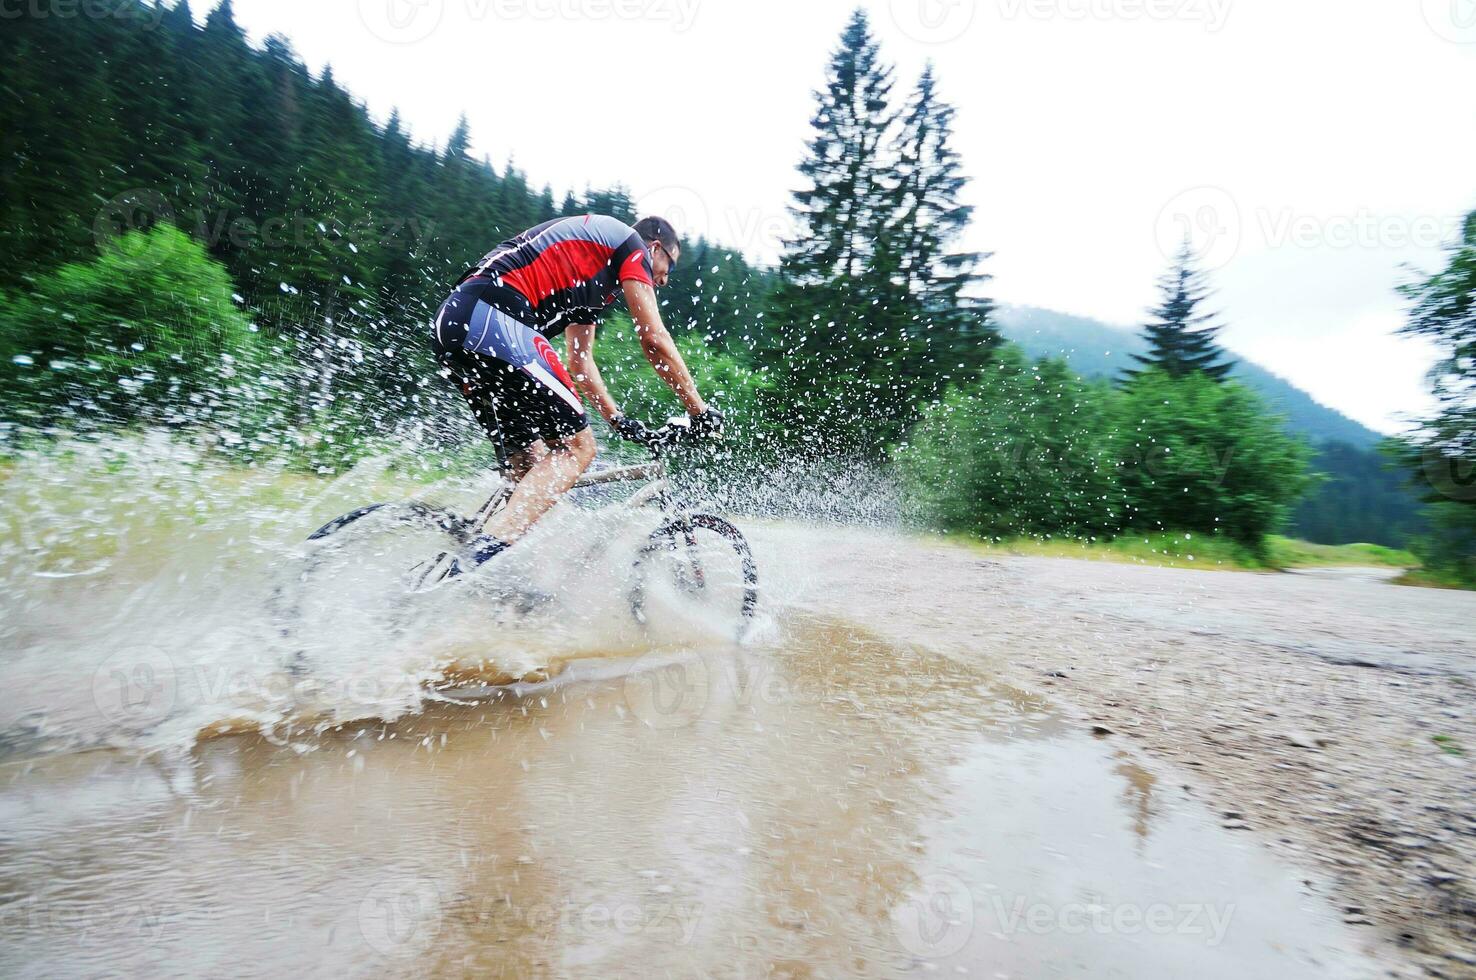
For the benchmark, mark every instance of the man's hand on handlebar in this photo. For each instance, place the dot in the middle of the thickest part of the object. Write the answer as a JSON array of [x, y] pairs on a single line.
[[632, 430], [707, 424], [682, 431]]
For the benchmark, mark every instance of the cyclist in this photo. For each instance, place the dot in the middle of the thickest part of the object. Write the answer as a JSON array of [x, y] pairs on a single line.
[[492, 334]]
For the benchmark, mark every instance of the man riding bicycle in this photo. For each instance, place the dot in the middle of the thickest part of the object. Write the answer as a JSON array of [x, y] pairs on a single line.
[[491, 337]]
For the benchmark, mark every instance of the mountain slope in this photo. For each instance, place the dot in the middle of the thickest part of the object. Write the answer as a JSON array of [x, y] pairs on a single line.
[[1360, 499], [1097, 350]]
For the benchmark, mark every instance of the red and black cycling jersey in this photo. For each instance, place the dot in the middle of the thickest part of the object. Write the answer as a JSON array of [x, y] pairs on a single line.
[[568, 269]]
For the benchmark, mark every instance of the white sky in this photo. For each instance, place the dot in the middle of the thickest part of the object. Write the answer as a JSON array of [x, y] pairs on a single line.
[[1314, 147]]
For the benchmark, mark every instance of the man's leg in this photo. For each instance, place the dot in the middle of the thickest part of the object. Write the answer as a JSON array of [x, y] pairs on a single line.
[[548, 478], [519, 463]]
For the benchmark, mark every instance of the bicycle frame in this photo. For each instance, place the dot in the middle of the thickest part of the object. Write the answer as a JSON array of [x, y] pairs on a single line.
[[657, 491]]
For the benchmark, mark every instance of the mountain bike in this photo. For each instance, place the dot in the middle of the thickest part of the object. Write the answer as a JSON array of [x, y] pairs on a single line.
[[694, 554]]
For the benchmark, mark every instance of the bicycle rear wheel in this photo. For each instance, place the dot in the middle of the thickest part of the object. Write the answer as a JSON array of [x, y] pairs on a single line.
[[705, 564], [387, 535], [362, 564]]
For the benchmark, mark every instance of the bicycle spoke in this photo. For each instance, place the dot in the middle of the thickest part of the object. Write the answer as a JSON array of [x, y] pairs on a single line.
[[702, 557], [697, 573]]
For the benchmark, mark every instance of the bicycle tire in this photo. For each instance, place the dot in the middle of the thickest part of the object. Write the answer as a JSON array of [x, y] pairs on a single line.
[[289, 599], [458, 527], [680, 530]]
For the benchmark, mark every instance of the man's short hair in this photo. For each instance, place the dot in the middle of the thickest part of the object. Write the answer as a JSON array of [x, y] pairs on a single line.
[[659, 230]]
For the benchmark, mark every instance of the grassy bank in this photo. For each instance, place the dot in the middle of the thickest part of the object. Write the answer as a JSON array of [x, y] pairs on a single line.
[[1292, 553], [1185, 550], [1427, 578]]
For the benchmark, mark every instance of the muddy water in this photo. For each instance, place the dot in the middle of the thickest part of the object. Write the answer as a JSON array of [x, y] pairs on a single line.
[[828, 805]]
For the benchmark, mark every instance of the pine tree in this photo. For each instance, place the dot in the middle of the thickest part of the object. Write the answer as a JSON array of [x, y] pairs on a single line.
[[545, 209], [403, 232], [614, 201], [832, 317], [516, 205], [931, 217], [1181, 338], [949, 334], [839, 213]]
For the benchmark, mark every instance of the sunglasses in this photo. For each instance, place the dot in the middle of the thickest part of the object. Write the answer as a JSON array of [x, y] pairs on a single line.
[[670, 259]]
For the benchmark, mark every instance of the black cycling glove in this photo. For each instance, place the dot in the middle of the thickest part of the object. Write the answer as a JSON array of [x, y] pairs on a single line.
[[631, 430], [708, 423]]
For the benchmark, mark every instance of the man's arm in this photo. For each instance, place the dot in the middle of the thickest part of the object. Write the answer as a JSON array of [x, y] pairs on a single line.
[[657, 345], [586, 372]]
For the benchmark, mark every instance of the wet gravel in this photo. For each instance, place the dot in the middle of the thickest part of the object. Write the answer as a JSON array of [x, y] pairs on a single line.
[[1329, 715]]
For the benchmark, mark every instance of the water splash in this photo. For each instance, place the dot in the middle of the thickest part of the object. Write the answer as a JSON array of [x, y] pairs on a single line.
[[144, 575]]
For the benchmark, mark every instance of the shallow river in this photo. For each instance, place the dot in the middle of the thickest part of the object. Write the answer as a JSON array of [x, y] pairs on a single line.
[[835, 806], [815, 802]]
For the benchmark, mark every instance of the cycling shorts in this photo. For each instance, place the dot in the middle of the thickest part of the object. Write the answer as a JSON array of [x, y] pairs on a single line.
[[516, 384]]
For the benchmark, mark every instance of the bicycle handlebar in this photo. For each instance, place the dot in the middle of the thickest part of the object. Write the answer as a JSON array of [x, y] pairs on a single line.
[[677, 433]]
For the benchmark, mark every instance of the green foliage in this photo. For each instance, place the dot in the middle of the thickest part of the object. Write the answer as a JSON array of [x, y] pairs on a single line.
[[842, 208], [1441, 454], [1025, 450], [1361, 498], [1448, 552], [1284, 552], [146, 330], [342, 236], [1034, 450], [715, 293], [1200, 455], [929, 215], [1096, 350]]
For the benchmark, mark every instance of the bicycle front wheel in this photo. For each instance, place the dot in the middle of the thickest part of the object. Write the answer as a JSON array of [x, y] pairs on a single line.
[[702, 564]]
